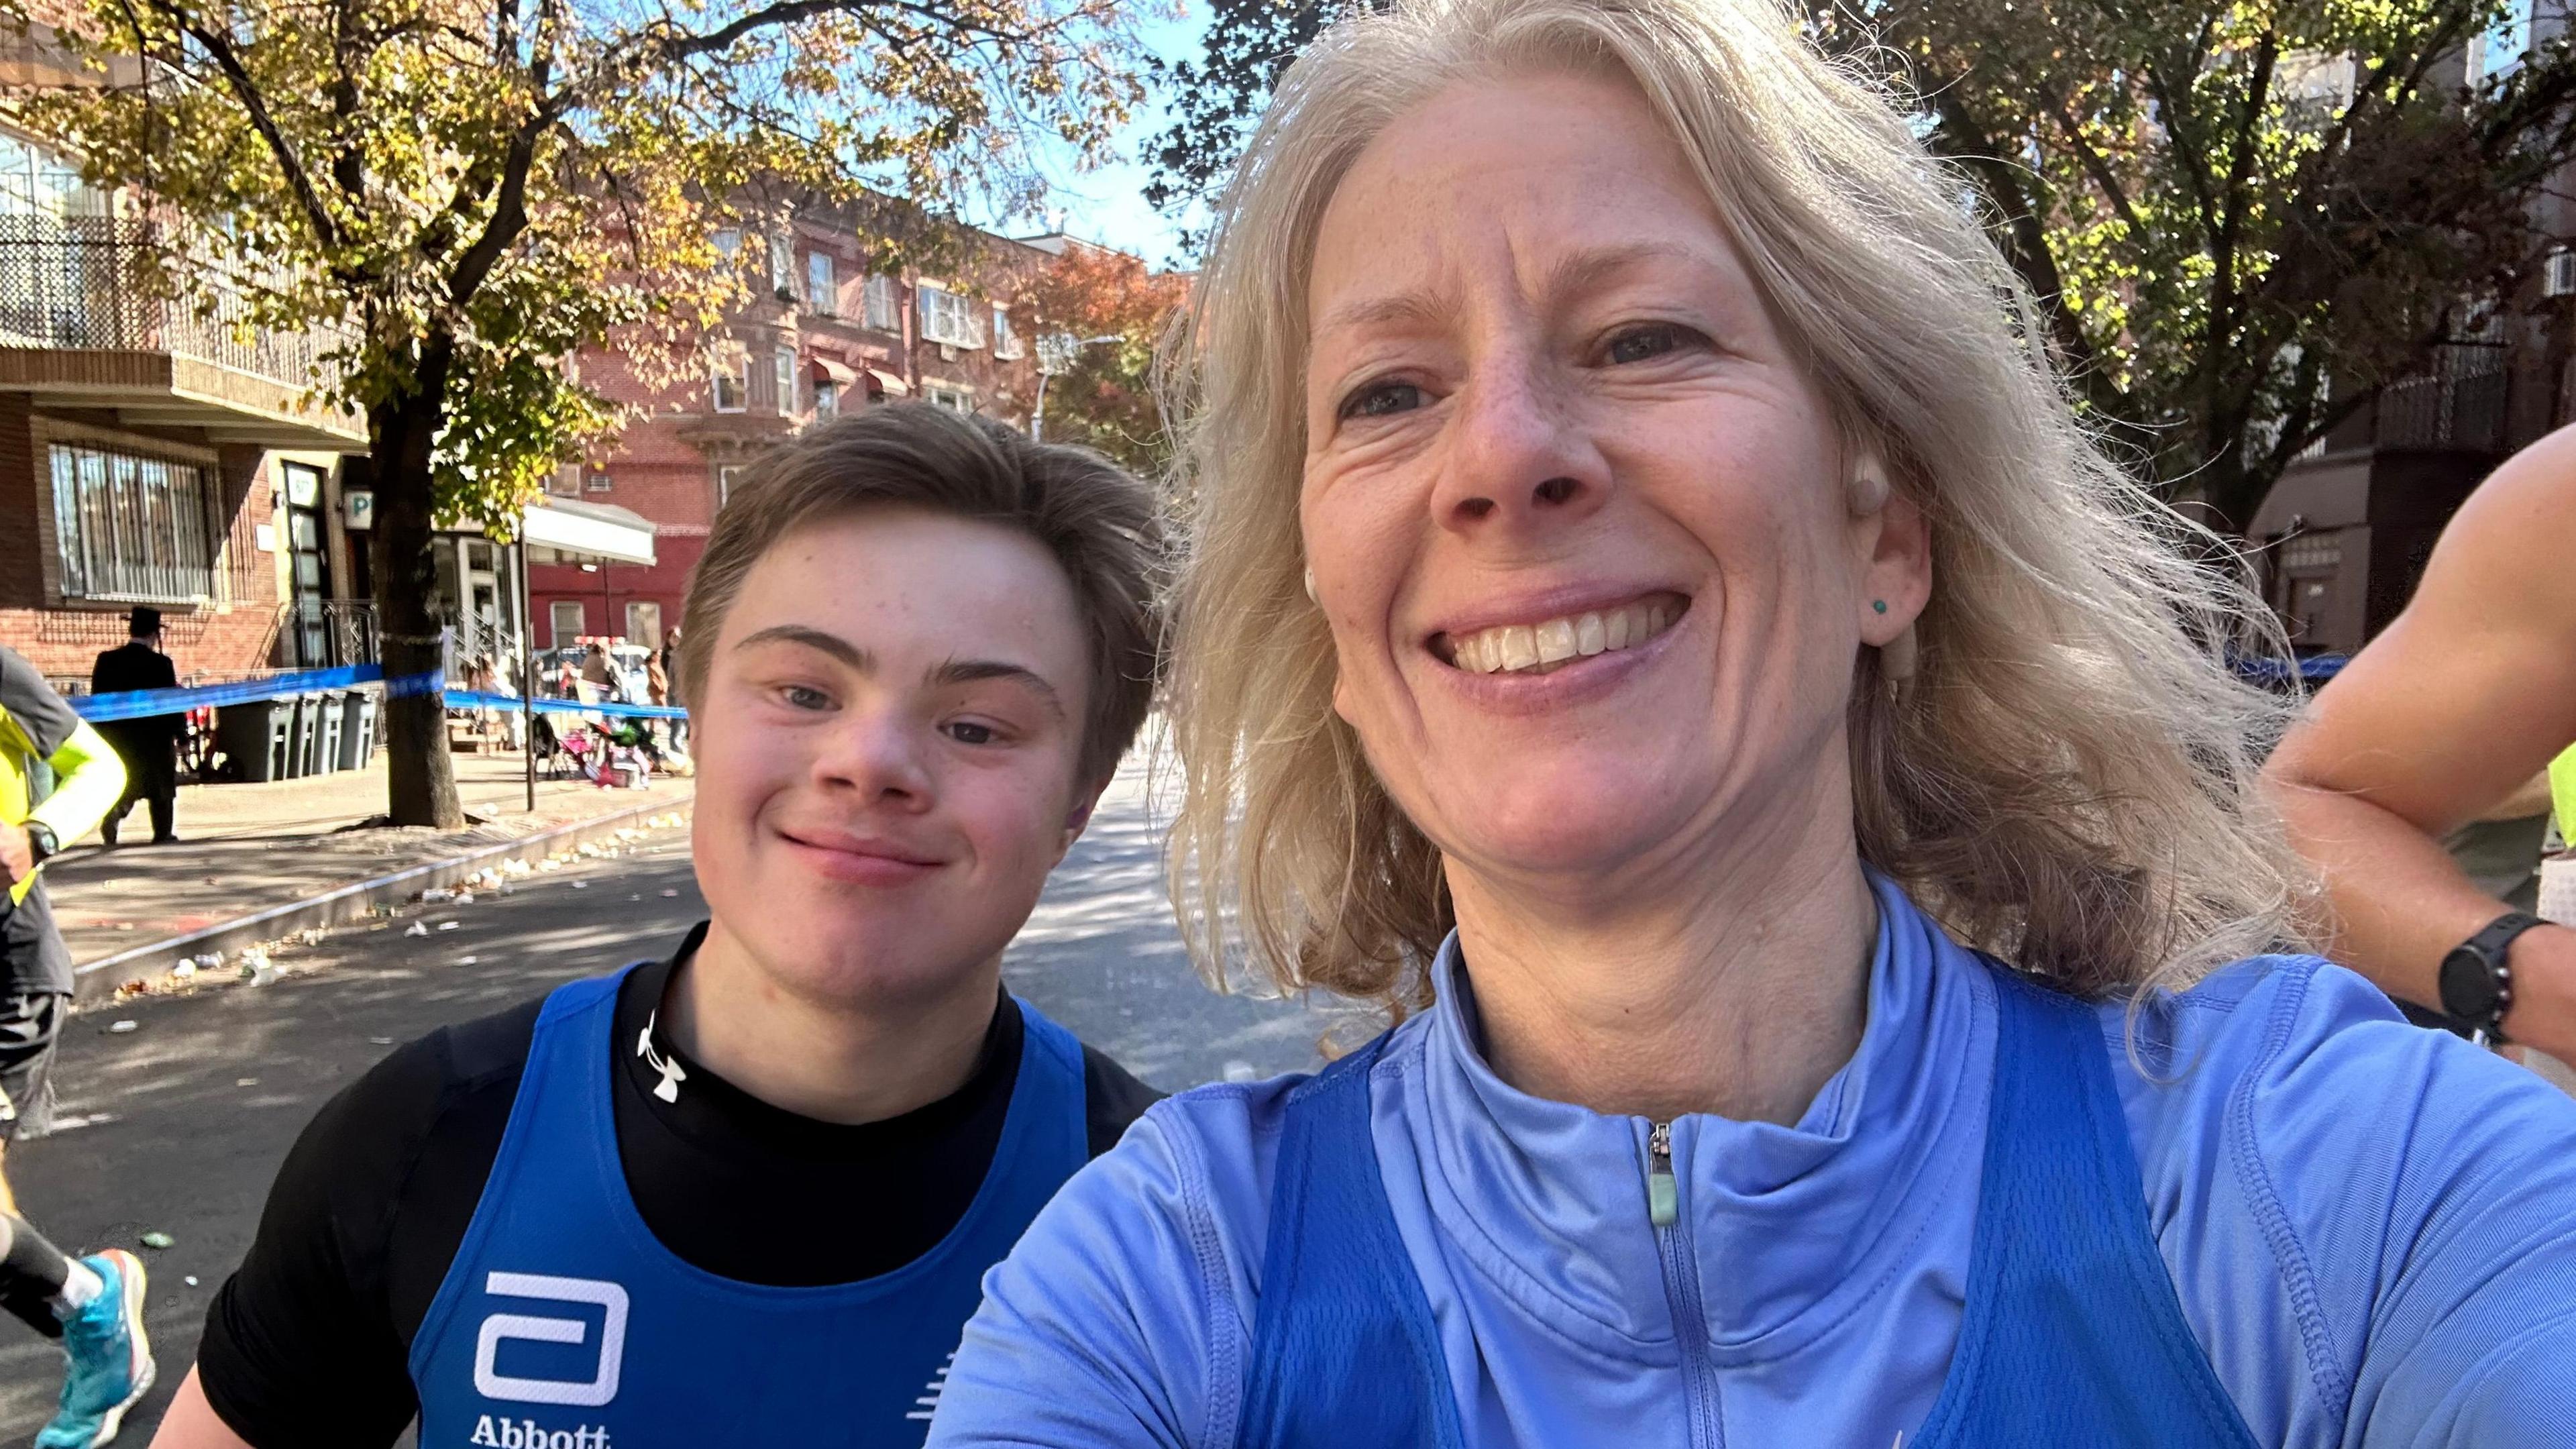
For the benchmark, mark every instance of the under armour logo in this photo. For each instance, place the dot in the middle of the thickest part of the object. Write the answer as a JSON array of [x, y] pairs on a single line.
[[673, 1074]]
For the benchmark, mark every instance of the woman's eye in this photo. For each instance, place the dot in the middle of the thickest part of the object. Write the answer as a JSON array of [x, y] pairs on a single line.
[[1382, 399], [1640, 344], [799, 696], [967, 732]]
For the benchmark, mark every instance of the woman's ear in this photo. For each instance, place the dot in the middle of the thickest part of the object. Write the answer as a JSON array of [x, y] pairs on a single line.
[[1896, 565]]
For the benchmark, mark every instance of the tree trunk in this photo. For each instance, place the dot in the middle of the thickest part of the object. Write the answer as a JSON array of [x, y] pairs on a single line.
[[420, 776]]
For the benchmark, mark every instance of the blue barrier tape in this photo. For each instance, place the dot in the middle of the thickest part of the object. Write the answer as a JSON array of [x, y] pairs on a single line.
[[138, 703], [469, 699], [428, 681], [2311, 669]]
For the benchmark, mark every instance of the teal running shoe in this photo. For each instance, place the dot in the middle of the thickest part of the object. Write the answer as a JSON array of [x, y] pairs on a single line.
[[109, 1360]]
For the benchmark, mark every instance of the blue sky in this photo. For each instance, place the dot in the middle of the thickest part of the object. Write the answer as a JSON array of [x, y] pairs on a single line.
[[1107, 205]]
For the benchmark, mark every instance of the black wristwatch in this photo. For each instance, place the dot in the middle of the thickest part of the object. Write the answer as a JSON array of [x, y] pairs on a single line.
[[40, 841], [2477, 984]]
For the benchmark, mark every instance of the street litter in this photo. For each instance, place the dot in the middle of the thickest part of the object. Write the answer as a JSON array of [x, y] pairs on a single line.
[[436, 894], [581, 885], [417, 929], [310, 935], [184, 970], [447, 925], [380, 1041], [245, 1081], [464, 960], [157, 1239], [190, 1280], [128, 1024], [465, 898], [666, 895]]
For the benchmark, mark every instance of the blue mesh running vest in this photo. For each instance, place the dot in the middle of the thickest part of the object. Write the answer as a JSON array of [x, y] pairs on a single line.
[[2072, 1333], [564, 1324]]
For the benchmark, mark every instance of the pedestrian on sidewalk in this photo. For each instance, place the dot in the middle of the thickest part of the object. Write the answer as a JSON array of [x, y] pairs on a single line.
[[149, 744], [1655, 627], [2456, 709], [746, 1195], [92, 1305]]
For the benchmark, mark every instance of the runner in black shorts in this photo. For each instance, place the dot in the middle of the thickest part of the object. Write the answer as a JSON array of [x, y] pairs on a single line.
[[746, 1194], [94, 1305]]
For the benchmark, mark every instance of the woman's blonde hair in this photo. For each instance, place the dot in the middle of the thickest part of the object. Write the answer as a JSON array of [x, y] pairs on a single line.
[[2068, 780]]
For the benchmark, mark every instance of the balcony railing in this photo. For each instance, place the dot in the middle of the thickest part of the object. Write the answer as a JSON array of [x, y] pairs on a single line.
[[326, 633], [81, 282]]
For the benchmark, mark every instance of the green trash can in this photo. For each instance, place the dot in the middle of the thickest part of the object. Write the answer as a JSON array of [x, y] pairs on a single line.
[[255, 738]]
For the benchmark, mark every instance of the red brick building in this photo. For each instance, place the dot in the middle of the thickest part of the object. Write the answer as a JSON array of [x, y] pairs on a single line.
[[152, 456], [822, 334]]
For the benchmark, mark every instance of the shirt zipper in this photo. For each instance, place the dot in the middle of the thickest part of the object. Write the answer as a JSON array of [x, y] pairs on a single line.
[[1681, 1287]]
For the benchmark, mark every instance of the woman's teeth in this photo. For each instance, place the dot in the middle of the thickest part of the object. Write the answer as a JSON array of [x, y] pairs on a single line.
[[1538, 648]]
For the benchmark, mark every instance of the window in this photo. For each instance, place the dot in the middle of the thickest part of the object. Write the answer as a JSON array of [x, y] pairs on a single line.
[[785, 361], [35, 181], [728, 241], [949, 318], [726, 478], [782, 264], [644, 624], [878, 306], [822, 288], [732, 382], [827, 398], [563, 618], [564, 482], [130, 527], [597, 483], [955, 399], [2500, 50], [1006, 343]]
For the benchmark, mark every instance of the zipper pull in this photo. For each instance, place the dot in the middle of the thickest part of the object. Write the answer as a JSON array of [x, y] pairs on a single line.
[[1663, 1195]]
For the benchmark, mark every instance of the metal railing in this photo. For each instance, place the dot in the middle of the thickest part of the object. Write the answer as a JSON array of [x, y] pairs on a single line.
[[85, 282], [327, 633], [2460, 402]]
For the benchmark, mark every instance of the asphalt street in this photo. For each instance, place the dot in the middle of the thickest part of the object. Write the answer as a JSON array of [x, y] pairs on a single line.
[[175, 1124]]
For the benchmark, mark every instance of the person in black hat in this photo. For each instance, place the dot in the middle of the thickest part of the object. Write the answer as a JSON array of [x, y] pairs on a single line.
[[148, 745]]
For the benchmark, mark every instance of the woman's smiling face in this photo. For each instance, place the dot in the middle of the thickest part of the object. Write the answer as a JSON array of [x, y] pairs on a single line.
[[1577, 515]]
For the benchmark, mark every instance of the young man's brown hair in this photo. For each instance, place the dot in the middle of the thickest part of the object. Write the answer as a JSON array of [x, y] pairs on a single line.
[[1098, 520]]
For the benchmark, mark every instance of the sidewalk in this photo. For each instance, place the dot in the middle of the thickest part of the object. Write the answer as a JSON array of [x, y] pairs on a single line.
[[244, 848]]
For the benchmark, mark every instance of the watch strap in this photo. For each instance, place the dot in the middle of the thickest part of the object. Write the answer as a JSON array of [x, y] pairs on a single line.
[[2490, 946]]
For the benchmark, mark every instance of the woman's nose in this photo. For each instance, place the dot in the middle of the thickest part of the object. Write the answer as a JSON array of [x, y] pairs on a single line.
[[1519, 457]]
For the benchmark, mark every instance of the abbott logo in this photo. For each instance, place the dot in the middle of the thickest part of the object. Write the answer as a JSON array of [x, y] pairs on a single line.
[[601, 1387]]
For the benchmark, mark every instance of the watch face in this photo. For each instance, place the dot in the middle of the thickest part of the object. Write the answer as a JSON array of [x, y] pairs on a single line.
[[2470, 990]]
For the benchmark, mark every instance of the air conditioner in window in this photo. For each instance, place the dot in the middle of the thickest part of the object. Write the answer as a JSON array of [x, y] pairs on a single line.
[[2560, 280]]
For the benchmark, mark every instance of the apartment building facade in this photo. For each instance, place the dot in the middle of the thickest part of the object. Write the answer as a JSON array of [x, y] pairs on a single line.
[[2344, 535], [820, 334], [153, 455]]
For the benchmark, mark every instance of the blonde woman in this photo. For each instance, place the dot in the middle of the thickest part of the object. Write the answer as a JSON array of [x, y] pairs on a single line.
[[1657, 630]]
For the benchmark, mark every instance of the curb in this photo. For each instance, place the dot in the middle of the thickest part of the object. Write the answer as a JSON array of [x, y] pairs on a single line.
[[98, 980]]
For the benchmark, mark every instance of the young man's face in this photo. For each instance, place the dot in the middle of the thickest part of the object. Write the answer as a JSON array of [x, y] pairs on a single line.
[[886, 753]]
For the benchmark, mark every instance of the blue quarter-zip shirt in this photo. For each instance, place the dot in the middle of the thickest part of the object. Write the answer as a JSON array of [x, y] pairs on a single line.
[[2371, 1229]]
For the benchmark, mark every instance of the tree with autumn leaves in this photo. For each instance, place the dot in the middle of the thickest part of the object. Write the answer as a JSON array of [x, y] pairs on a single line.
[[470, 192], [1105, 400]]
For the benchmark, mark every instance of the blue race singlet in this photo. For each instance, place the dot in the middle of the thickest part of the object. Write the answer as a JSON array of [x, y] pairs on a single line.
[[563, 1323], [2072, 1333]]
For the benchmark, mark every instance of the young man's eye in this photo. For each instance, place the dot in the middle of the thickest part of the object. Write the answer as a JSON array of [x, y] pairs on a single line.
[[1645, 343], [968, 732], [1383, 399], [799, 696]]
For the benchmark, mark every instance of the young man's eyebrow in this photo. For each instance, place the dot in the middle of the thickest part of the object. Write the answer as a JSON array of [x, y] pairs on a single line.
[[813, 638], [968, 671]]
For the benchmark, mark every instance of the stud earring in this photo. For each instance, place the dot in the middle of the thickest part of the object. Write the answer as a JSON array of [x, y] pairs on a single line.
[[1879, 604], [1310, 590]]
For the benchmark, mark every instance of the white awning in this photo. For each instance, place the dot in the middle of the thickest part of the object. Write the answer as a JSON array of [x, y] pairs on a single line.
[[561, 531], [888, 383]]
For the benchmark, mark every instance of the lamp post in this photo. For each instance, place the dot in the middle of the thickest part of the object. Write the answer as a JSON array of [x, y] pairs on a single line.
[[1057, 352]]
